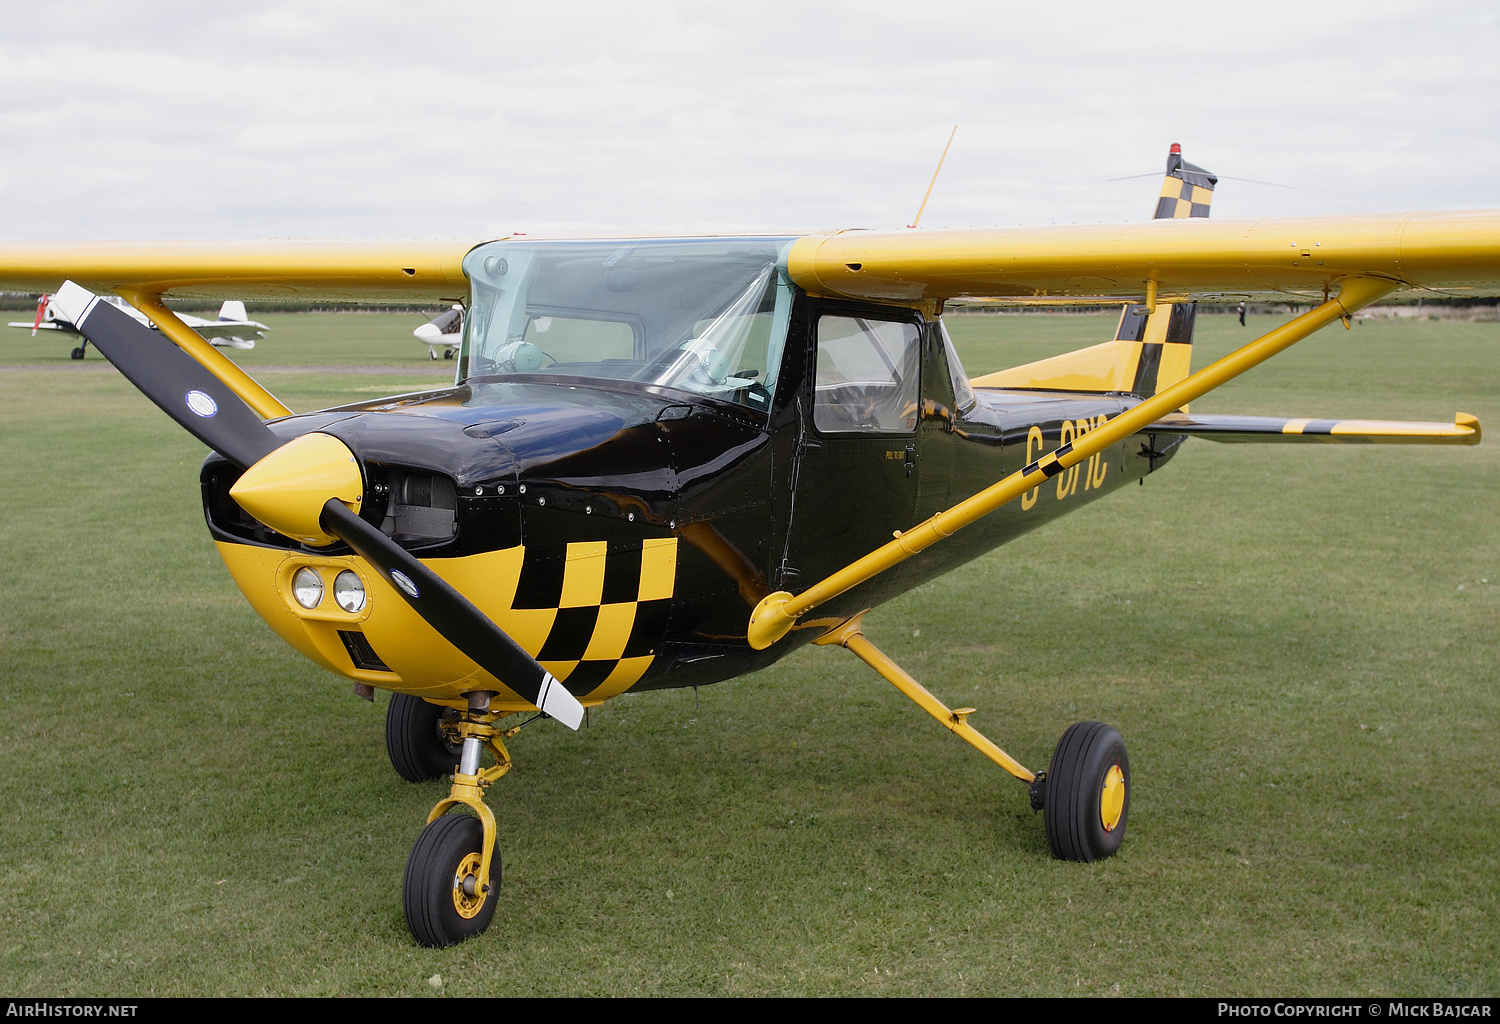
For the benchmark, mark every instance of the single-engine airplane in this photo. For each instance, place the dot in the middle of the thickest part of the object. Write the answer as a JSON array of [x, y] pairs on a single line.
[[665, 462], [232, 329], [443, 333]]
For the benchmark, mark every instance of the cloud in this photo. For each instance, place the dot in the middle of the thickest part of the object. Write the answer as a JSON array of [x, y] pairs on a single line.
[[366, 120]]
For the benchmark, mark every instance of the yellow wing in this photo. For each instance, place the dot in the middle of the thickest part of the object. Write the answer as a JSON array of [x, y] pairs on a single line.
[[351, 271], [143, 272], [1452, 252]]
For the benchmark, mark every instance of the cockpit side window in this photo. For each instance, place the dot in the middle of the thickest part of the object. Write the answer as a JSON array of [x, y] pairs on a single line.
[[868, 375], [963, 392]]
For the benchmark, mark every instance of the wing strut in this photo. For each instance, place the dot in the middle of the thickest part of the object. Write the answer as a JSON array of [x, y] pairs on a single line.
[[774, 617], [215, 362], [850, 635]]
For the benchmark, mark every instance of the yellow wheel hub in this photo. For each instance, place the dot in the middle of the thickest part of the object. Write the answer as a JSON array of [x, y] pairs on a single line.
[[468, 893], [1112, 798]]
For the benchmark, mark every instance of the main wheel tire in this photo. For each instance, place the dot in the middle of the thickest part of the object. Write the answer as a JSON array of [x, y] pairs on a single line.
[[414, 739], [441, 895], [77, 353], [1088, 793]]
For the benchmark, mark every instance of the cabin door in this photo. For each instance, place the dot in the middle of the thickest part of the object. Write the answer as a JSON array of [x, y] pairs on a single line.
[[855, 468]]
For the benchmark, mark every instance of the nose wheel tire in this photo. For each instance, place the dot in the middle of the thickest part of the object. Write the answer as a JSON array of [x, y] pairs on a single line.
[[443, 897], [418, 747], [1088, 793]]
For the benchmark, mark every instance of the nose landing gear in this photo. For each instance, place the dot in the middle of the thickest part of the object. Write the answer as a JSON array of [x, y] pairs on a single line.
[[452, 880]]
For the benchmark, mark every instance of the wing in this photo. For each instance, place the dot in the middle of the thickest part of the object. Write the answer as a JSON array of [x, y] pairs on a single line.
[[234, 330], [1451, 252], [354, 271]]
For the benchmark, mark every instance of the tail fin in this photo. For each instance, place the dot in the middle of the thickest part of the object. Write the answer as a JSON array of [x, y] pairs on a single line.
[[1187, 190], [1150, 352], [1157, 346], [233, 309]]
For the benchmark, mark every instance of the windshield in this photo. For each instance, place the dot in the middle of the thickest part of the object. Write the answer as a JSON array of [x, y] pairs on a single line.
[[704, 315]]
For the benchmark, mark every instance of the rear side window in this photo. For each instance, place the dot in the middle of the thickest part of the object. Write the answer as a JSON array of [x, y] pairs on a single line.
[[868, 373]]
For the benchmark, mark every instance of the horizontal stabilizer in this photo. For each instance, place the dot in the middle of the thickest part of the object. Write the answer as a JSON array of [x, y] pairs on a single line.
[[1463, 430], [1150, 353]]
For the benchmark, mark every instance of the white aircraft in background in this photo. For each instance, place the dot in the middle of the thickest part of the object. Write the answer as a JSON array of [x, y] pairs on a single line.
[[233, 329], [444, 331]]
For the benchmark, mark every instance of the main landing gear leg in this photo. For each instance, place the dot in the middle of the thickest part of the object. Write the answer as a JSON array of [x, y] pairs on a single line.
[[452, 880], [1085, 793]]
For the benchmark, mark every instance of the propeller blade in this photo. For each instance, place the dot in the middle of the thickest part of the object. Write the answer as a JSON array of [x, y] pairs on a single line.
[[453, 615], [183, 388], [211, 412], [41, 311]]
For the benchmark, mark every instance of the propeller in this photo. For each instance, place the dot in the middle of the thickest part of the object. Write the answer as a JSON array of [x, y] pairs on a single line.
[[41, 311], [309, 489]]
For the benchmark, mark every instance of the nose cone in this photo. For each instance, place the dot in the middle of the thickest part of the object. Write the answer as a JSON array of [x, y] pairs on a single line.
[[288, 488]]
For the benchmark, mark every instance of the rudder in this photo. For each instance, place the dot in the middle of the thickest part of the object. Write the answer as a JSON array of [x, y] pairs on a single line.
[[1188, 189], [1157, 348]]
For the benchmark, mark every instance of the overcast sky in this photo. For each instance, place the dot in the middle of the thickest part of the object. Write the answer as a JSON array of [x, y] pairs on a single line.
[[164, 119]]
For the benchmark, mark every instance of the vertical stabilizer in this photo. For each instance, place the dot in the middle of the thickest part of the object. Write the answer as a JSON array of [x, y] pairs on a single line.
[[1187, 190], [1156, 348], [1153, 344]]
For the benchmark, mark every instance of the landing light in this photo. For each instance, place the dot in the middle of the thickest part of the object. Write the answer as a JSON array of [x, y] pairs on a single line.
[[307, 587], [349, 591]]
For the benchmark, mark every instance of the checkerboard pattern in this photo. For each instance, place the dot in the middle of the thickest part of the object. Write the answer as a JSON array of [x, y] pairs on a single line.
[[1163, 342], [1181, 198], [602, 609]]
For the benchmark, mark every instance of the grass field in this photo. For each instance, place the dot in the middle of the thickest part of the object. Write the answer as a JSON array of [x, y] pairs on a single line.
[[1298, 644]]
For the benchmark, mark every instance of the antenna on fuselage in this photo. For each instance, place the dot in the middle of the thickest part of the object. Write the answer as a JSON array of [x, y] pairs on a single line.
[[918, 218]]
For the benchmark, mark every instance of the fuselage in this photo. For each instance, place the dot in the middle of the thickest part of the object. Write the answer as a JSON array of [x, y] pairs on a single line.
[[621, 530]]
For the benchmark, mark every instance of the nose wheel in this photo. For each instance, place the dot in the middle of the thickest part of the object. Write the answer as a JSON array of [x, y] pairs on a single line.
[[452, 880], [1087, 793], [443, 895]]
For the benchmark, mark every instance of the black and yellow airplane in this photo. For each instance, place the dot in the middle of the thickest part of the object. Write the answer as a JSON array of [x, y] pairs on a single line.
[[666, 462]]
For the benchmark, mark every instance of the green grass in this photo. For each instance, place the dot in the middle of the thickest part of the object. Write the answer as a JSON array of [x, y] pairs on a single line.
[[1298, 644]]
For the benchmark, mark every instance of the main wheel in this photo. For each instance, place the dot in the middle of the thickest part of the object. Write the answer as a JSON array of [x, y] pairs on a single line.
[[432, 353], [442, 895], [1088, 793], [418, 747], [77, 353]]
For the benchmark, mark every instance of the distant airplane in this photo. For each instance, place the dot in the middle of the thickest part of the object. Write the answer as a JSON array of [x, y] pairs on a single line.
[[233, 329], [444, 331]]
